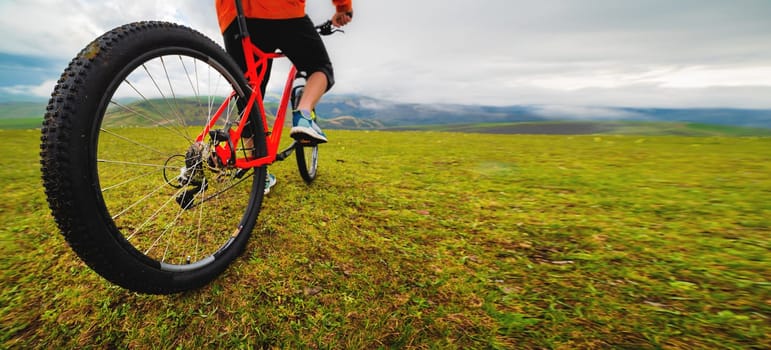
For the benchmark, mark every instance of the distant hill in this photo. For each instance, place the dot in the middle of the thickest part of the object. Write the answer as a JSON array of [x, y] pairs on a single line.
[[352, 123], [599, 127], [760, 118], [21, 110], [395, 114], [21, 115], [358, 112]]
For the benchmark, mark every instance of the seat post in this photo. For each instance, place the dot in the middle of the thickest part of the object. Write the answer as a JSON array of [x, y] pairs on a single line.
[[241, 18]]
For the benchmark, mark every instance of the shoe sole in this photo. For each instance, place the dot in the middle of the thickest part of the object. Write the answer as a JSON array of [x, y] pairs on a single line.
[[304, 133]]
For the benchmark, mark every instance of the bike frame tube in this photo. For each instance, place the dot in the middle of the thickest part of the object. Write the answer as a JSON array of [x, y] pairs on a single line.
[[256, 68]]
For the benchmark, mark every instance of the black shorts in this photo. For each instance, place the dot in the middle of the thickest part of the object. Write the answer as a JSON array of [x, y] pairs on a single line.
[[296, 38]]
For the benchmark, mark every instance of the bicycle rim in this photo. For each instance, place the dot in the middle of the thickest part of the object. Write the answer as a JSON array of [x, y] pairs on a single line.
[[169, 198], [307, 161]]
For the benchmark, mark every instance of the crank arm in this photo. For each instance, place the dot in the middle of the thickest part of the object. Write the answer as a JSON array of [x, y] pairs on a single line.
[[287, 152]]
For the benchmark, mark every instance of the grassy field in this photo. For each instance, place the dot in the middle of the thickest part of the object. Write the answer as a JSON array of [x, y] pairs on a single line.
[[440, 240]]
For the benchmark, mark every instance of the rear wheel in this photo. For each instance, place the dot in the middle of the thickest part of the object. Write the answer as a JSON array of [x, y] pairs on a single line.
[[307, 153], [137, 195]]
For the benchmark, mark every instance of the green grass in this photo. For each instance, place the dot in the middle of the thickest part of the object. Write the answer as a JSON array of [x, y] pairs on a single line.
[[440, 240], [21, 123]]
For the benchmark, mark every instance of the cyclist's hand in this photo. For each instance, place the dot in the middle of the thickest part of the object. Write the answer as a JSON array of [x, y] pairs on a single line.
[[341, 18]]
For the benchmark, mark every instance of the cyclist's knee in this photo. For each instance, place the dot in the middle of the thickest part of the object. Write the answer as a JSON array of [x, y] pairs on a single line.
[[328, 72]]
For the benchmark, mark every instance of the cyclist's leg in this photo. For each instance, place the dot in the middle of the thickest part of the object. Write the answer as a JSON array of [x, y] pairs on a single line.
[[306, 153], [304, 47], [315, 87]]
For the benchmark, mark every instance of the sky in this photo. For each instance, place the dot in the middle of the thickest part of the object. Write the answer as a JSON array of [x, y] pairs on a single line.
[[561, 53]]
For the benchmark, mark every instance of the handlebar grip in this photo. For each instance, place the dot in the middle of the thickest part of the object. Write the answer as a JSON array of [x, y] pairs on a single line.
[[326, 28]]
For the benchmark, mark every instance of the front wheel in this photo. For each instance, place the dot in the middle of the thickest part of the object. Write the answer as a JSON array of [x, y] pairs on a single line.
[[307, 153], [139, 196], [307, 160]]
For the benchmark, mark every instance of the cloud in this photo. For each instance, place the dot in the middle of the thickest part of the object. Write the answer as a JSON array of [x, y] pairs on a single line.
[[660, 53], [43, 89], [59, 29], [657, 53], [585, 112], [715, 76]]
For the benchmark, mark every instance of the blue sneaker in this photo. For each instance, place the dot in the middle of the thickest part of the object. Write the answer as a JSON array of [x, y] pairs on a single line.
[[304, 127], [270, 181]]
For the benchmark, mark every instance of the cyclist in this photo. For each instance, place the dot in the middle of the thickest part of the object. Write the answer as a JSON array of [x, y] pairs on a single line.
[[283, 24]]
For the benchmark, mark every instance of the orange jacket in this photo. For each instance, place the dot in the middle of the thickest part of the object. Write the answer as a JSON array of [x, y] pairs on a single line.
[[269, 9]]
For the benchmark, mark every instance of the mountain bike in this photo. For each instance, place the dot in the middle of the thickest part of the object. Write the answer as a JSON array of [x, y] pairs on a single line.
[[144, 158]]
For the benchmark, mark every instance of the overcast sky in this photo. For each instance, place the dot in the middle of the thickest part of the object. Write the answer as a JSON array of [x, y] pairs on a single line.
[[637, 53]]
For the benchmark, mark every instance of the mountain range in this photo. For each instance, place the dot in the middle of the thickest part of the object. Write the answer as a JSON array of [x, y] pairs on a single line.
[[363, 112], [378, 113]]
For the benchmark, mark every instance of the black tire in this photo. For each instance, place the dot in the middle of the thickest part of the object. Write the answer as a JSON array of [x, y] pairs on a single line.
[[135, 196], [307, 154], [307, 160]]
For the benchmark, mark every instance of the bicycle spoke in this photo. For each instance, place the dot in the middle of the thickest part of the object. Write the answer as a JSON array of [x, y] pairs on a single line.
[[169, 225], [215, 195], [193, 87], [155, 213], [171, 88], [129, 163], [126, 182], [154, 107], [200, 225], [163, 233], [147, 196], [179, 118], [132, 141]]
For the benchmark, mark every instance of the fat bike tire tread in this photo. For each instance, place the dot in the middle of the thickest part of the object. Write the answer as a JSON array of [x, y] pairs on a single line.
[[68, 164]]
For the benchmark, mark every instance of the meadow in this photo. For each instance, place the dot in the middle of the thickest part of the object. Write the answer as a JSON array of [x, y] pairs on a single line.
[[421, 239]]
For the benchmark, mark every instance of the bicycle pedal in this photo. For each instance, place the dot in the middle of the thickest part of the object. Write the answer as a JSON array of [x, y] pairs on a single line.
[[241, 172]]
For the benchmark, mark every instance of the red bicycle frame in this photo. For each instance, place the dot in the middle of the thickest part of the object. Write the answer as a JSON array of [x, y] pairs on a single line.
[[256, 68]]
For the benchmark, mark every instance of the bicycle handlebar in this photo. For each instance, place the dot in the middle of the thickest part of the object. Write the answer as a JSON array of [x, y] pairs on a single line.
[[326, 28]]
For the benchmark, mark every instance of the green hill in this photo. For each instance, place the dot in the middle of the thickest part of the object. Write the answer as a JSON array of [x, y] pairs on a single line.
[[28, 115], [590, 128], [21, 115], [22, 110], [350, 123]]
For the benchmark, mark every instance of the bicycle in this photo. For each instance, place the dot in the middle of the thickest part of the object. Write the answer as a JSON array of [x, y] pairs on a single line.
[[143, 161]]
